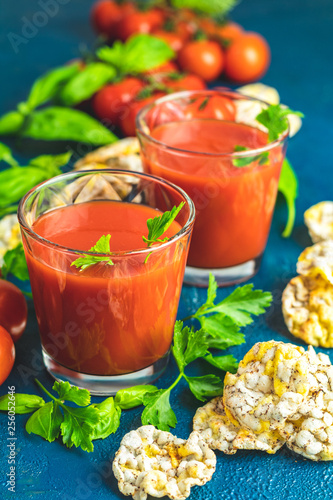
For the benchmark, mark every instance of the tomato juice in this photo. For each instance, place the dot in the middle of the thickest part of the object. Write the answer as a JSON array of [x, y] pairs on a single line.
[[106, 319], [234, 205]]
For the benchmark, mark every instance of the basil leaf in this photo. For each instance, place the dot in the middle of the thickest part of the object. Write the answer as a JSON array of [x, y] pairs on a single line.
[[6, 155], [48, 85], [132, 396], [140, 53], [51, 161], [11, 122], [213, 7], [15, 263], [109, 421], [16, 181], [45, 422], [24, 403], [205, 387], [63, 124], [84, 85], [288, 186]]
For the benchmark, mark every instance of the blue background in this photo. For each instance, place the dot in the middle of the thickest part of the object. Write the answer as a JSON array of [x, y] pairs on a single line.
[[300, 33]]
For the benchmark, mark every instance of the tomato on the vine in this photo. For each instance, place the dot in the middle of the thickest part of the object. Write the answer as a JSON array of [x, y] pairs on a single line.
[[174, 40], [7, 354], [208, 26], [128, 123], [184, 82], [204, 58], [185, 29], [139, 22], [105, 14], [229, 31], [13, 309], [216, 107], [111, 102], [247, 58]]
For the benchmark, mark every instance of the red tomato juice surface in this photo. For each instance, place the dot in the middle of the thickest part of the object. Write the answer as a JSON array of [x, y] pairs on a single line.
[[105, 320], [234, 206]]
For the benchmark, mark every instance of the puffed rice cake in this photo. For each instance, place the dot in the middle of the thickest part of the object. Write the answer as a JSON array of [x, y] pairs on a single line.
[[154, 462], [319, 221], [307, 307]]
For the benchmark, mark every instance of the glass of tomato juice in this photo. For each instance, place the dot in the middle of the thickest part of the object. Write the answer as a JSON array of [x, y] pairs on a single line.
[[109, 325], [209, 143]]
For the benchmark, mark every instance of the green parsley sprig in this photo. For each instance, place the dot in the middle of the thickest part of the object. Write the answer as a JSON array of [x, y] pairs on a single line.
[[101, 247], [80, 425], [275, 119], [156, 228], [244, 161], [159, 225]]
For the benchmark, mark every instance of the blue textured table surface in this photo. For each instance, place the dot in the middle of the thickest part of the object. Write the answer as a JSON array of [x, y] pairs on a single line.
[[300, 33]]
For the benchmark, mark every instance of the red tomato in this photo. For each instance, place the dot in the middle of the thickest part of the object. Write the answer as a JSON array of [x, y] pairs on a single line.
[[229, 31], [174, 40], [105, 14], [7, 354], [185, 82], [204, 58], [217, 107], [139, 22], [247, 58], [111, 102], [13, 309], [128, 123]]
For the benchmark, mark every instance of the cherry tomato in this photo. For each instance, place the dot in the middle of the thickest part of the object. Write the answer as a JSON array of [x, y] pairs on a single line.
[[139, 22], [208, 26], [128, 123], [229, 31], [7, 354], [185, 82], [13, 309], [174, 40], [111, 102], [247, 58], [204, 58], [185, 29], [216, 107], [105, 14]]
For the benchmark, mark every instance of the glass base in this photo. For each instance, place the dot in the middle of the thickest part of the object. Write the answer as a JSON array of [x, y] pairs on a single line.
[[225, 276], [105, 385]]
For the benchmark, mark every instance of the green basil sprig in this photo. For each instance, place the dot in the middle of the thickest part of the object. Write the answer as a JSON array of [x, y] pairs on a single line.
[[56, 123], [86, 83], [72, 85], [138, 54], [17, 180]]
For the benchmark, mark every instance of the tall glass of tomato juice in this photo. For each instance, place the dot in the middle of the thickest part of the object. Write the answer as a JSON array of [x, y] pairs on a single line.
[[110, 325], [209, 143]]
